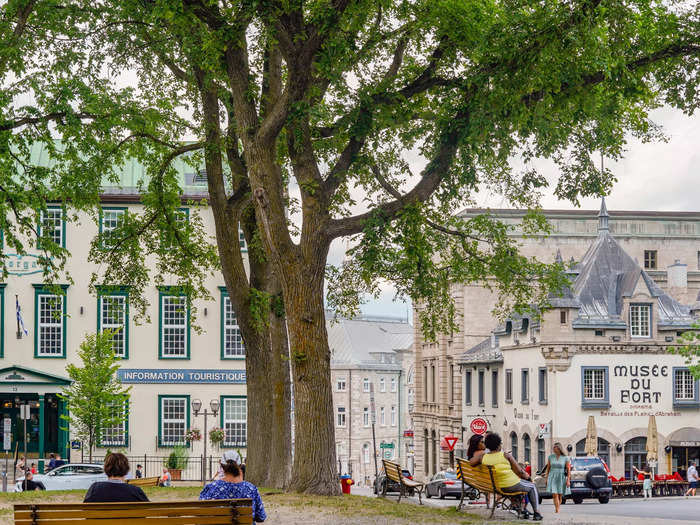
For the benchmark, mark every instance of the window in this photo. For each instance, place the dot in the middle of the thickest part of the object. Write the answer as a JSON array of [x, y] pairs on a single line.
[[451, 384], [232, 346], [494, 388], [685, 388], [341, 416], [509, 386], [340, 384], [542, 384], [393, 384], [650, 259], [234, 421], [468, 387], [541, 458], [382, 385], [182, 218], [600, 333], [113, 314], [562, 316], [116, 435], [174, 326], [382, 417], [110, 219], [393, 416], [514, 445], [365, 416], [525, 386], [425, 383], [481, 388], [49, 323], [603, 449], [365, 453], [432, 384], [241, 240], [52, 227], [174, 418], [635, 455], [639, 320], [594, 387], [526, 448]]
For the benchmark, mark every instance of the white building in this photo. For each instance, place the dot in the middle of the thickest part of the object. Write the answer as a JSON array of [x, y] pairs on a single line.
[[167, 363], [371, 354], [602, 351]]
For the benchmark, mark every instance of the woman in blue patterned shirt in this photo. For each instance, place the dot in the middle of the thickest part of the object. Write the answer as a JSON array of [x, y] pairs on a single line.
[[232, 486]]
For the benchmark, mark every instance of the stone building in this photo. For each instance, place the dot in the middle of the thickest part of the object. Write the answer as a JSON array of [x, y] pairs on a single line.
[[602, 350], [371, 354], [665, 244], [167, 363]]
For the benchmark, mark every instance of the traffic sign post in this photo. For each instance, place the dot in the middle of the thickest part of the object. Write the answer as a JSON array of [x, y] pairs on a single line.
[[544, 430], [451, 441], [479, 426]]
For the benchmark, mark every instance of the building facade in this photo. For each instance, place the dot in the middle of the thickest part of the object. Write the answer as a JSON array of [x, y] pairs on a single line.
[[166, 362], [371, 358], [601, 351], [666, 245]]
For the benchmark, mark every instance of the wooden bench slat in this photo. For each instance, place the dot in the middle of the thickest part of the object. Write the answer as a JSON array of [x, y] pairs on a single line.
[[125, 513], [244, 502], [193, 520], [144, 482]]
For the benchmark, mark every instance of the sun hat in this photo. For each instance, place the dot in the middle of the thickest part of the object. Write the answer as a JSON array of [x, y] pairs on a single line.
[[231, 455]]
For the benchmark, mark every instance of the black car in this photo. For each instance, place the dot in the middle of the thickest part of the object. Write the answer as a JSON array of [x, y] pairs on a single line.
[[391, 486], [444, 483], [589, 479]]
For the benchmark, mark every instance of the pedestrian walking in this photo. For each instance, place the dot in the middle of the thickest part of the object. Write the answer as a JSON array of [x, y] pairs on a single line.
[[19, 468], [692, 480], [646, 486], [52, 461], [139, 471], [557, 474], [115, 489]]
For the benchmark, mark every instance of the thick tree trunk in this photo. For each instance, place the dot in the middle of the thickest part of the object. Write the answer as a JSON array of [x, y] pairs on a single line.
[[314, 445]]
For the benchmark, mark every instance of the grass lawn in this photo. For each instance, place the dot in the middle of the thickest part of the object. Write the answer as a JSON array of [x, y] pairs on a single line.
[[287, 508]]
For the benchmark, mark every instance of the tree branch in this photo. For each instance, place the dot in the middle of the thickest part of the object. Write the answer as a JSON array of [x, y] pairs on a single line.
[[49, 117]]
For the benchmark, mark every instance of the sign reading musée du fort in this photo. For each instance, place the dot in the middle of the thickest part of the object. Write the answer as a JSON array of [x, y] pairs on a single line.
[[164, 375], [641, 388]]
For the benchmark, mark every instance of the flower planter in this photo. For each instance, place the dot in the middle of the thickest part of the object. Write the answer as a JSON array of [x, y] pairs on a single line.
[[175, 474]]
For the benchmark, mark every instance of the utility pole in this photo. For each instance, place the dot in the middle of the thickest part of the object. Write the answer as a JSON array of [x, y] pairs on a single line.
[[373, 415]]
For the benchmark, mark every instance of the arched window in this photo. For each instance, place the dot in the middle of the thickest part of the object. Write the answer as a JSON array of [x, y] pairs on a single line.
[[541, 457], [635, 454], [436, 444], [603, 449], [526, 448], [426, 453], [365, 453], [514, 445]]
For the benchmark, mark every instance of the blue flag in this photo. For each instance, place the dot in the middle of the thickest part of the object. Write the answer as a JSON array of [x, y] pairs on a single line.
[[19, 317]]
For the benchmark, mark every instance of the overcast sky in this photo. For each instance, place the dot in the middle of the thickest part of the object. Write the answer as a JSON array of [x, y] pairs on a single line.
[[660, 176]]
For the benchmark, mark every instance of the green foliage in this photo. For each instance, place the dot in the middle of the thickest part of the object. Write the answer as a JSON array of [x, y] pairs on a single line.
[[96, 398], [689, 348], [178, 458]]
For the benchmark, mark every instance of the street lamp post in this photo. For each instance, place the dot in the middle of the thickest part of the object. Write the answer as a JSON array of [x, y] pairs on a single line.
[[196, 407]]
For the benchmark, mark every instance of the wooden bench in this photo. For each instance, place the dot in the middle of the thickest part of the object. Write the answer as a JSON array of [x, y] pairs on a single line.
[[482, 478], [394, 473], [144, 482], [211, 512]]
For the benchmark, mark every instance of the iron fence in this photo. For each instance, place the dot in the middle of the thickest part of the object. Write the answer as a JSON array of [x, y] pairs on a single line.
[[153, 466]]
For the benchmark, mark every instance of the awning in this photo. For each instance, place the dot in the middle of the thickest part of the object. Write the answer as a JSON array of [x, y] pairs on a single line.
[[685, 437]]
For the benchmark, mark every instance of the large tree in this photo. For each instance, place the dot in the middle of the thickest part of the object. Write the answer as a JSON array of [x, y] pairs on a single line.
[[330, 96]]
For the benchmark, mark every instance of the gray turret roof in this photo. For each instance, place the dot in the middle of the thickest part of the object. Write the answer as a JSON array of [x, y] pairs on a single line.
[[606, 275]]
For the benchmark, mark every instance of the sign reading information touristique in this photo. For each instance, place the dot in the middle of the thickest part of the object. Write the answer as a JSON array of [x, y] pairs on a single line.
[[165, 375]]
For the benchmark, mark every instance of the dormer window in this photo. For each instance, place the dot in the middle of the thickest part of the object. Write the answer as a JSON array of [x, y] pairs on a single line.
[[640, 320]]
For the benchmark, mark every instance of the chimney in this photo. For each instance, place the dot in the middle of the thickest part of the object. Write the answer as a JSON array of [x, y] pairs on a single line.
[[678, 275]]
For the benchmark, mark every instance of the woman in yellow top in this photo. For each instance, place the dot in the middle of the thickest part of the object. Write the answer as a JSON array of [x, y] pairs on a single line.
[[508, 474]]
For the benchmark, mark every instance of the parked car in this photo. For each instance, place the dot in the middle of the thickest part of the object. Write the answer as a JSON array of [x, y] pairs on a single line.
[[391, 486], [589, 479], [445, 483], [68, 477]]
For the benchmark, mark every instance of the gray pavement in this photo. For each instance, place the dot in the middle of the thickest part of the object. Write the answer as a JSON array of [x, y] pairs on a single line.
[[657, 511]]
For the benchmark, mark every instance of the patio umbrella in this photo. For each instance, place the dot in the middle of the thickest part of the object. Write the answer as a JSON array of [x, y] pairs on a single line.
[[591, 438], [652, 443]]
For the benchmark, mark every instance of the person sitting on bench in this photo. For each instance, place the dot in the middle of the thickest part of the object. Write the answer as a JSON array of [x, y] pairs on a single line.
[[508, 475], [115, 489], [29, 484]]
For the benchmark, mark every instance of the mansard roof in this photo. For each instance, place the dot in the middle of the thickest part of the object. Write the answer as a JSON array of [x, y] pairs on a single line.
[[487, 351], [606, 275]]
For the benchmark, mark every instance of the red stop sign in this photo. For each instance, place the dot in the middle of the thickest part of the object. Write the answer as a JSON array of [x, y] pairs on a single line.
[[478, 426]]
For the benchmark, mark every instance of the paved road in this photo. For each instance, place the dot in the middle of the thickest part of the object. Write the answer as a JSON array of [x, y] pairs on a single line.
[[658, 511]]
